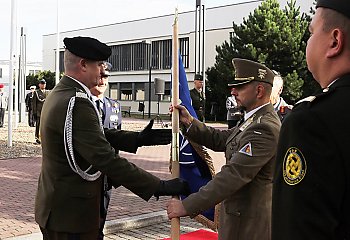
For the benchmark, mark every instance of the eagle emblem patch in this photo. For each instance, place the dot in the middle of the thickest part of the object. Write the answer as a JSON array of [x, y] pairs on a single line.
[[247, 149], [294, 166]]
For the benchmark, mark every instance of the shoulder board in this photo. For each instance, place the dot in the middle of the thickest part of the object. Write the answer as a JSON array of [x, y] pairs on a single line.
[[307, 99], [81, 95]]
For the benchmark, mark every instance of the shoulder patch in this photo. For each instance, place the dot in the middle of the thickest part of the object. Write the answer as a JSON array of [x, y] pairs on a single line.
[[247, 149], [81, 95], [294, 166]]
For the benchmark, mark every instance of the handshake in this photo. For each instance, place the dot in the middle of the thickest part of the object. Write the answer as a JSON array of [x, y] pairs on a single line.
[[173, 187]]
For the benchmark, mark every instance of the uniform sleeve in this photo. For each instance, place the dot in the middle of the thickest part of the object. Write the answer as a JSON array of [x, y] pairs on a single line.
[[241, 168], [90, 143], [309, 184]]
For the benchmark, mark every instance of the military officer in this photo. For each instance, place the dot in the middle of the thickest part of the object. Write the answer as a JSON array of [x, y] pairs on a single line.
[[197, 96], [281, 107], [244, 184], [37, 105], [3, 104], [311, 192], [111, 116], [76, 151], [29, 104]]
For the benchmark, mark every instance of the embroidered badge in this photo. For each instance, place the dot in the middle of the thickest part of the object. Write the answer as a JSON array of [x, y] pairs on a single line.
[[247, 149], [294, 166]]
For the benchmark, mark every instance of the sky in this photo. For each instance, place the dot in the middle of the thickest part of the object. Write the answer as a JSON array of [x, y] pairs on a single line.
[[39, 17]]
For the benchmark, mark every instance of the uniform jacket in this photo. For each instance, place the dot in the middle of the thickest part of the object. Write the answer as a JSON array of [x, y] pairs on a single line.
[[113, 115], [311, 198], [198, 102], [244, 184], [64, 201], [29, 100], [38, 101]]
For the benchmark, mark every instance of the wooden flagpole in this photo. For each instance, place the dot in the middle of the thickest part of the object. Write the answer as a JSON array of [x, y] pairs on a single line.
[[175, 222]]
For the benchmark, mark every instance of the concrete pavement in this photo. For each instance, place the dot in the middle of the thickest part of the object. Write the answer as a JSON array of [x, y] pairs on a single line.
[[127, 212]]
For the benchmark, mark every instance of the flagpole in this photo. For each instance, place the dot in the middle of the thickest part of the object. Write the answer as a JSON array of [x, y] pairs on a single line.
[[175, 222]]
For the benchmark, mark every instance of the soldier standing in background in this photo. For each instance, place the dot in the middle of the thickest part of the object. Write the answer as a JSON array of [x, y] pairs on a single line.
[[29, 106], [198, 98], [3, 104], [37, 105]]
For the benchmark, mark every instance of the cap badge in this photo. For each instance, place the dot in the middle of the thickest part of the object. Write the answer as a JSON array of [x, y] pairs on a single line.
[[262, 73], [294, 166]]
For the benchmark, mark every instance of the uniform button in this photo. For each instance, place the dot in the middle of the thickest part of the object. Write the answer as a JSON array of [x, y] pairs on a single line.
[[231, 148], [237, 214]]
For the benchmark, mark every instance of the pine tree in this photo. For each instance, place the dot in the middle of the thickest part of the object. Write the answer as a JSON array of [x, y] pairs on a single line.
[[270, 35]]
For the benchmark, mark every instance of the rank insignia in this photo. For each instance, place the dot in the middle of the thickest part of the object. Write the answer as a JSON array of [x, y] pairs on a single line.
[[247, 149], [294, 166]]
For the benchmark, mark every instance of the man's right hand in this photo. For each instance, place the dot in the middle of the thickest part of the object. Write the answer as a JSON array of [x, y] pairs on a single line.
[[184, 116]]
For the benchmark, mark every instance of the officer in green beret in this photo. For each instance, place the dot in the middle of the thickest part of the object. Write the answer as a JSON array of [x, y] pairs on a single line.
[[77, 151], [311, 193], [244, 184]]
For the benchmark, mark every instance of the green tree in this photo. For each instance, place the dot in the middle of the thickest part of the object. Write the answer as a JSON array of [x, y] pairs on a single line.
[[270, 35], [34, 79]]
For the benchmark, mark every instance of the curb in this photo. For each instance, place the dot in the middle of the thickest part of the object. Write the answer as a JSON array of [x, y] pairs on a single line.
[[113, 226]]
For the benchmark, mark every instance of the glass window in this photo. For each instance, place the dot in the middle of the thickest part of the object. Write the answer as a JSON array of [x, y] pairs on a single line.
[[114, 91], [167, 92], [0, 72], [139, 91], [126, 91]]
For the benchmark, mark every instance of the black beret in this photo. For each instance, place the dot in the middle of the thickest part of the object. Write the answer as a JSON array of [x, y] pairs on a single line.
[[198, 77], [88, 48], [247, 71], [42, 81], [341, 6]]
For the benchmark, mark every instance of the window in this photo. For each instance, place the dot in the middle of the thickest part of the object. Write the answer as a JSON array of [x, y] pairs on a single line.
[[31, 72], [114, 91], [0, 72], [61, 66], [126, 91], [139, 91], [37, 72], [167, 92]]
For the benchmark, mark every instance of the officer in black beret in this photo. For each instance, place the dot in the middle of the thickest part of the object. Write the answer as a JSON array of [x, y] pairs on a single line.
[[197, 96], [311, 193], [77, 152]]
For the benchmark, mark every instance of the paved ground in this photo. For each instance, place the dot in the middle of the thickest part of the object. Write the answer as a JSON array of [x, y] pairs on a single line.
[[18, 178]]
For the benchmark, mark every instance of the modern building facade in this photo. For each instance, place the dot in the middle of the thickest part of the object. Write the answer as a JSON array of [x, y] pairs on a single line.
[[140, 44]]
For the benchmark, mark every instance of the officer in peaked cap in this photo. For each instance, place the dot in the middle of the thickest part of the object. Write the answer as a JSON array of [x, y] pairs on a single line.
[[311, 192], [244, 184], [197, 96], [77, 151]]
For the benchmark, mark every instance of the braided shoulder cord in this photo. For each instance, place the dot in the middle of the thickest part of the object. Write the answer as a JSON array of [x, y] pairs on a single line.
[[68, 144]]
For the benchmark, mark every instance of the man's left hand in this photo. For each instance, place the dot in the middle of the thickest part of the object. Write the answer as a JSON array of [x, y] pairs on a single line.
[[149, 136]]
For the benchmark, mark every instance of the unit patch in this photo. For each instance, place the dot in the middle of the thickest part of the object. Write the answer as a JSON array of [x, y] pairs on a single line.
[[294, 166], [247, 149]]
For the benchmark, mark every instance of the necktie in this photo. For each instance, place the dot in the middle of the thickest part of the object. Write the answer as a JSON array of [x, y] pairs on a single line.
[[99, 106]]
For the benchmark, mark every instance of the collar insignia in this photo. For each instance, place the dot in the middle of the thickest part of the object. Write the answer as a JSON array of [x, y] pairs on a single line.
[[247, 149], [294, 166]]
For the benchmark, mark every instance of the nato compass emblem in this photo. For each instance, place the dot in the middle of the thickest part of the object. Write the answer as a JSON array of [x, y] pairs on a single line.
[[294, 166]]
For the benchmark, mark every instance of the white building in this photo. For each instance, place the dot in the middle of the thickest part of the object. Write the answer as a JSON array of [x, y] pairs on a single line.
[[31, 68], [130, 42]]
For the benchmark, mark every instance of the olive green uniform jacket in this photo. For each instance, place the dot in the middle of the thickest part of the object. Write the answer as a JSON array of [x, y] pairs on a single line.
[[65, 202], [244, 184]]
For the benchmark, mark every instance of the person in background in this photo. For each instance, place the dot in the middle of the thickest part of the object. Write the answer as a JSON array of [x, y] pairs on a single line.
[[234, 113], [244, 184], [198, 98], [311, 191], [281, 107], [3, 104], [29, 103], [37, 105], [77, 151], [111, 116]]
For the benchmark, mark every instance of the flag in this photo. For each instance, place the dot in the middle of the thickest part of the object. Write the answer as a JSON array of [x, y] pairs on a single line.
[[196, 165]]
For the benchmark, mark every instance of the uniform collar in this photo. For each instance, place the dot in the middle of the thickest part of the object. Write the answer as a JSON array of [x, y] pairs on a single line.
[[82, 85], [250, 113]]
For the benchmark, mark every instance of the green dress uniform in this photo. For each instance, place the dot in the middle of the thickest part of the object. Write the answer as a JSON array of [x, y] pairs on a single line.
[[65, 201], [198, 103], [37, 106], [244, 184], [311, 193]]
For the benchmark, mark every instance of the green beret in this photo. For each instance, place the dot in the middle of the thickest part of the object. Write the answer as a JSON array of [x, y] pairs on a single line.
[[247, 71], [88, 48], [341, 6]]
